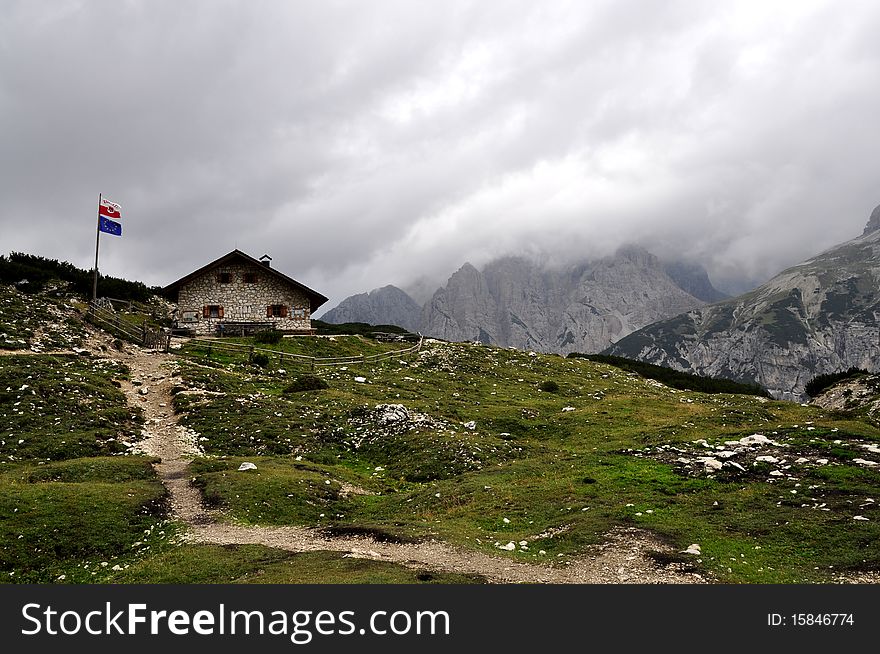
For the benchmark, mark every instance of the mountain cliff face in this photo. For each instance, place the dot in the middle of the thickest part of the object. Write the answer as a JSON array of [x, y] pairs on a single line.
[[384, 306], [514, 302], [818, 317], [584, 308]]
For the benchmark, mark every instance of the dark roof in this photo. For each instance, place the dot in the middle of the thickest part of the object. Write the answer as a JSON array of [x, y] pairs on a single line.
[[315, 298]]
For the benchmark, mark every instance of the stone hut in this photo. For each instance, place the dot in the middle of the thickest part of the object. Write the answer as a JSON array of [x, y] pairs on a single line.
[[237, 294]]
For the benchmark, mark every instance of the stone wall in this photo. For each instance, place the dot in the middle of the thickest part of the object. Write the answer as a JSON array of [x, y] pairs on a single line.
[[241, 301]]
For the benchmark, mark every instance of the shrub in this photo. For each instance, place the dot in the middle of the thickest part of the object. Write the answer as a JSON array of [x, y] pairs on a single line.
[[260, 359], [818, 384], [270, 337], [676, 379], [549, 386], [305, 383]]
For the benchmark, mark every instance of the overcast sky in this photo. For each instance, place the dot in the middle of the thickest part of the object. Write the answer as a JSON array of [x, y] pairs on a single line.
[[365, 143]]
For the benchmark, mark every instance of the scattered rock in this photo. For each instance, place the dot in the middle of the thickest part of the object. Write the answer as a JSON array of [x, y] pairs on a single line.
[[711, 463], [247, 465], [693, 549]]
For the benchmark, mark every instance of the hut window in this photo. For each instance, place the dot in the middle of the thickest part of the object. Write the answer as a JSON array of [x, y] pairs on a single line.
[[225, 278], [276, 311], [250, 278], [212, 311]]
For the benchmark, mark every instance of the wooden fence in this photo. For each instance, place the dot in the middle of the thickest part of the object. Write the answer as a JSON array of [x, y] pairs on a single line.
[[101, 316], [283, 358]]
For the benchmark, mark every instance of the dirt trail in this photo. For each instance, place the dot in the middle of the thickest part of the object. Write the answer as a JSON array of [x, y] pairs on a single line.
[[623, 559]]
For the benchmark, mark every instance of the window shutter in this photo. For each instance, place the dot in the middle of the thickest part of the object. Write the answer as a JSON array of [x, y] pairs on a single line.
[[206, 312], [220, 312], [284, 311], [269, 311]]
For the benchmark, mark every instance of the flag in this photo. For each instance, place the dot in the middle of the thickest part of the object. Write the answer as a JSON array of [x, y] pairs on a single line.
[[110, 209], [109, 226]]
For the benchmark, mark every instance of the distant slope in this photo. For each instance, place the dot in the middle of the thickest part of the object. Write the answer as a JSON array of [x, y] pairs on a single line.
[[383, 306], [675, 378], [814, 318]]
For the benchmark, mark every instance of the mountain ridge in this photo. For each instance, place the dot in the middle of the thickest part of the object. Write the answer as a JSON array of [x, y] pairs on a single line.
[[816, 317], [515, 302]]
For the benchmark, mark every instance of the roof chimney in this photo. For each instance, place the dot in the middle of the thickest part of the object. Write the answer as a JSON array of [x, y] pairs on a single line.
[[266, 260]]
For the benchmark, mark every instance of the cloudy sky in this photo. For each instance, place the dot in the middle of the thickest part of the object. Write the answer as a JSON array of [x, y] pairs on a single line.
[[366, 143]]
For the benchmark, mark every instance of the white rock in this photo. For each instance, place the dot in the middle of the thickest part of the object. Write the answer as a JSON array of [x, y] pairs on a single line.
[[859, 517], [767, 459], [710, 463], [566, 409], [247, 465], [143, 390], [509, 547], [360, 380], [865, 462], [776, 473], [822, 462], [505, 520], [756, 439], [693, 549], [470, 424]]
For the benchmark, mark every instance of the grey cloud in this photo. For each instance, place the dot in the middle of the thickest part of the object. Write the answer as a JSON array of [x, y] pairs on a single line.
[[387, 142]]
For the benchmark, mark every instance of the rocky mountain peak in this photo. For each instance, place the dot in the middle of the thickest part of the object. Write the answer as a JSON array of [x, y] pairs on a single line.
[[873, 222]]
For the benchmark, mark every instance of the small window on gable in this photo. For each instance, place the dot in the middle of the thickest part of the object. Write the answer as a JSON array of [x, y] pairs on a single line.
[[225, 278], [250, 278]]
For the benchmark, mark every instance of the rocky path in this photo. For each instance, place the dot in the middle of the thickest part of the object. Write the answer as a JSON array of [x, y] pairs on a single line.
[[623, 559]]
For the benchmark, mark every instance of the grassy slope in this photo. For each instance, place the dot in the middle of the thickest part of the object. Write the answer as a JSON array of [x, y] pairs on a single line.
[[72, 504], [530, 470], [75, 507]]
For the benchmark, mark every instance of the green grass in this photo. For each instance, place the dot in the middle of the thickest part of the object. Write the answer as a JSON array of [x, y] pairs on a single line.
[[563, 468], [477, 455], [254, 564], [44, 321], [73, 504], [60, 407]]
